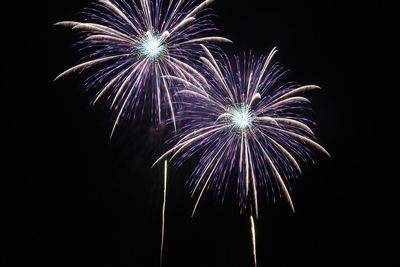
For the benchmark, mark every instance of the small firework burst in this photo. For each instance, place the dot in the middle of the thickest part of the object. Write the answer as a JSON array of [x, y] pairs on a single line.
[[248, 124], [130, 44]]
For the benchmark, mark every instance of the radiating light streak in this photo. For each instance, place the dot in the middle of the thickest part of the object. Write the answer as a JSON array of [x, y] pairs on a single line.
[[129, 45], [249, 127]]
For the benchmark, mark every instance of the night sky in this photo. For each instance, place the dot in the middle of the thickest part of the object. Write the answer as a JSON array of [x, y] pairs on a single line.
[[70, 195]]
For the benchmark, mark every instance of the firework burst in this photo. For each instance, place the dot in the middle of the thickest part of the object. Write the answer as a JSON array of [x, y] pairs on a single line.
[[129, 45], [246, 120]]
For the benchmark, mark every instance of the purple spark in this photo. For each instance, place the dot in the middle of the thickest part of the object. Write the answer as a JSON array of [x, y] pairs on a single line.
[[249, 127], [131, 45]]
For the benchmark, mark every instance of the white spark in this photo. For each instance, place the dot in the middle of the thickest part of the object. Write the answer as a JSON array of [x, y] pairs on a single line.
[[152, 47]]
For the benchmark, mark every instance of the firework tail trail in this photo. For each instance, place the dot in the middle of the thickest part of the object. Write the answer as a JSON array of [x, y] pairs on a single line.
[[163, 211], [244, 118], [127, 43], [253, 239]]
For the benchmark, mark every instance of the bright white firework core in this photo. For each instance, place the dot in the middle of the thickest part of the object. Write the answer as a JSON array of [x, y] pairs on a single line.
[[152, 47], [242, 118]]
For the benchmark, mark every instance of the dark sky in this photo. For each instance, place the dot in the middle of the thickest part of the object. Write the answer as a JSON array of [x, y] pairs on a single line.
[[72, 196]]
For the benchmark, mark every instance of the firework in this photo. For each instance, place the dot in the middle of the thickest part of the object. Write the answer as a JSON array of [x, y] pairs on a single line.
[[249, 127], [129, 45]]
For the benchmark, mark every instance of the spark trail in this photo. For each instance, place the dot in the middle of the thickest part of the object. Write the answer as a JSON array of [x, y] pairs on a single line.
[[248, 125], [128, 45]]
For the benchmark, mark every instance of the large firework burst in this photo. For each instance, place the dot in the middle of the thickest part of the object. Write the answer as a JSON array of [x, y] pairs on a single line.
[[246, 120], [134, 44]]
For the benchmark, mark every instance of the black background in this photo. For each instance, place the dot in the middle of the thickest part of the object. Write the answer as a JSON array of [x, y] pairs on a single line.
[[72, 196]]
